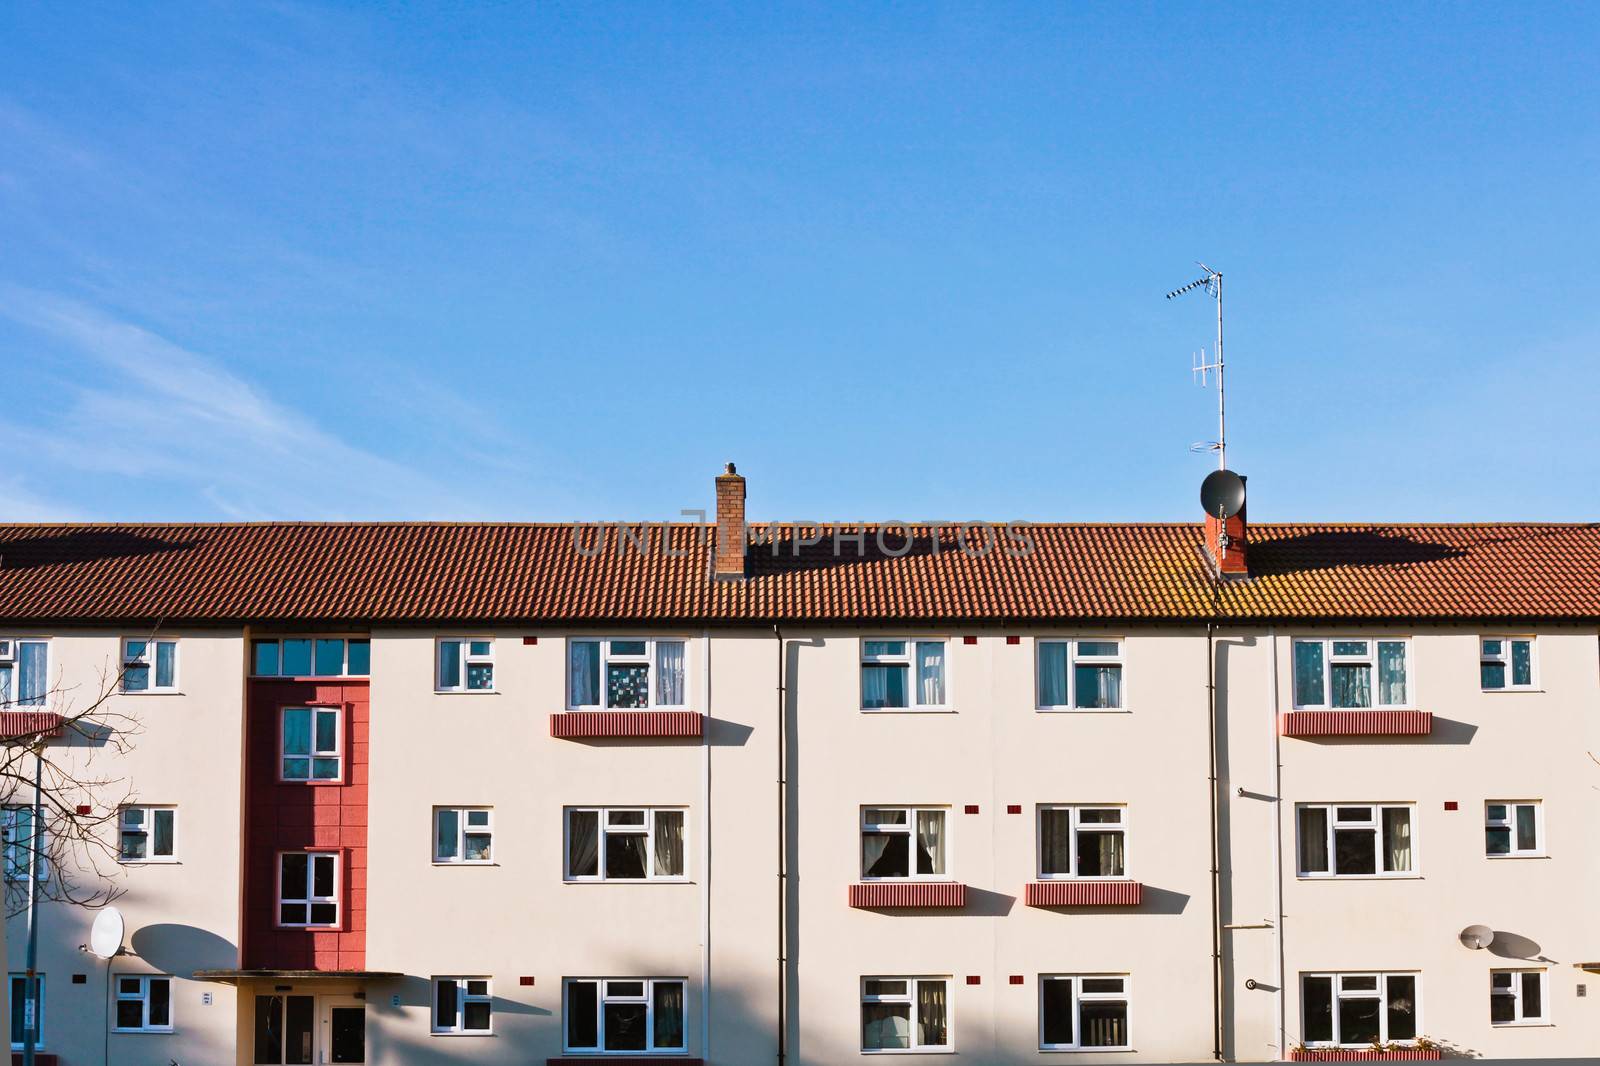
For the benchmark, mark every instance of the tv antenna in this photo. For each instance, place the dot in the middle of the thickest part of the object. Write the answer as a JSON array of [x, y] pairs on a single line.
[[1211, 282]]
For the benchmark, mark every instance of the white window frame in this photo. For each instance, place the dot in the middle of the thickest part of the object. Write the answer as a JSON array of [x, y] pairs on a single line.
[[9, 841], [336, 752], [1329, 659], [147, 827], [648, 659], [15, 978], [1515, 994], [1093, 828], [463, 997], [603, 827], [603, 996], [143, 996], [908, 659], [310, 898], [463, 830], [1381, 994], [1504, 658], [468, 659], [909, 829], [279, 639], [1073, 659], [909, 996], [1375, 823], [1079, 998], [11, 661], [148, 659], [1509, 822]]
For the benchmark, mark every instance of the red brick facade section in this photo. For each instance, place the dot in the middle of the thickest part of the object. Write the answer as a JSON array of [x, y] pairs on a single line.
[[1083, 894], [300, 816], [908, 894], [1357, 723], [579, 725], [1230, 561]]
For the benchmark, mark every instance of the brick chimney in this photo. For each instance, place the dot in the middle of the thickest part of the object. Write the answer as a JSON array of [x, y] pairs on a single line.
[[1230, 561], [729, 562]]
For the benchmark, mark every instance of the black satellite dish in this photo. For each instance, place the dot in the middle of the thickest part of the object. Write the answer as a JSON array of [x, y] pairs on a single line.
[[1222, 494]]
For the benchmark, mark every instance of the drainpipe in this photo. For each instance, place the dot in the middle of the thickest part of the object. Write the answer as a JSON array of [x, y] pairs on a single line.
[[30, 985], [1277, 842], [1216, 872], [783, 862], [705, 853]]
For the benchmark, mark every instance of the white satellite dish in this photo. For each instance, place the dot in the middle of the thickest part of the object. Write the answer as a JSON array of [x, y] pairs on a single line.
[[105, 939], [1477, 937]]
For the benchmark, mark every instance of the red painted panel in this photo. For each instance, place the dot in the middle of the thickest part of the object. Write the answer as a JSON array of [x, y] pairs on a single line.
[[15, 725], [1083, 893], [574, 725], [300, 816], [1403, 1054], [1357, 723], [908, 894]]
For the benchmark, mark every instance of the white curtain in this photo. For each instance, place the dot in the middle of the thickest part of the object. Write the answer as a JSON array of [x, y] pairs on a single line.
[[669, 673], [1313, 840], [583, 843], [1099, 685], [31, 672], [873, 845], [1053, 674], [668, 1015], [930, 673], [930, 842], [1397, 839], [1391, 672], [875, 686], [931, 1023], [669, 844], [585, 671]]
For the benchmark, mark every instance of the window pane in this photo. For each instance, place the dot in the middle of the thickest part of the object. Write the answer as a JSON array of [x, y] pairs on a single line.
[[1492, 675], [1097, 647], [479, 647], [360, 663], [296, 768], [582, 1015], [444, 1009], [297, 731], [297, 657], [163, 841], [668, 1015], [1497, 812], [627, 647], [1308, 677], [884, 816], [883, 686], [477, 847], [1402, 1007], [583, 843], [130, 1014], [1391, 672], [884, 647], [133, 845], [325, 769], [1105, 1024], [292, 880], [1056, 1006], [932, 1018], [322, 876], [1493, 647], [330, 657], [1053, 674], [1502, 1008], [1100, 854], [1498, 840], [1055, 841], [327, 731], [446, 827], [33, 658], [449, 664], [1352, 685], [584, 673], [1532, 996], [1349, 647], [1098, 686], [1102, 984], [1100, 816], [1358, 1019], [930, 842], [1354, 851], [930, 673], [627, 684], [166, 663], [136, 677], [299, 1030], [1313, 840], [266, 658], [1521, 662], [269, 1030], [1396, 839], [1527, 827], [885, 1026], [480, 675], [160, 1001], [885, 854], [669, 673], [625, 855], [669, 844], [625, 1026], [476, 1015]]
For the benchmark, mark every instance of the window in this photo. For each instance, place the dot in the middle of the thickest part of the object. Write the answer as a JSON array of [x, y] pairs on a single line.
[[144, 1004], [626, 668], [905, 1013], [461, 1005], [462, 834], [465, 665], [313, 657], [27, 1010], [887, 844], [637, 844], [1516, 997], [308, 888], [149, 666], [1505, 663], [1358, 1009], [1082, 842], [902, 675], [147, 834], [311, 738], [1082, 1012], [1513, 829], [1080, 674], [624, 1014], [1354, 840], [285, 1030], [24, 672], [17, 841], [1340, 673]]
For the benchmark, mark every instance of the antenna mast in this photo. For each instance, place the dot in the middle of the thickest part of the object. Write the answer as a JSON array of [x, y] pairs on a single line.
[[1211, 282]]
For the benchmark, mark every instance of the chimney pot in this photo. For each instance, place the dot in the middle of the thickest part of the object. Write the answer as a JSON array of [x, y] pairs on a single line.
[[728, 561]]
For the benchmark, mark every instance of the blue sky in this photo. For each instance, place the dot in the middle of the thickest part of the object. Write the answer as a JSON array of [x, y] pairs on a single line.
[[899, 261]]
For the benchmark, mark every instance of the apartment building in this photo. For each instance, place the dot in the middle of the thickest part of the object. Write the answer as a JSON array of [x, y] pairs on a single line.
[[413, 793]]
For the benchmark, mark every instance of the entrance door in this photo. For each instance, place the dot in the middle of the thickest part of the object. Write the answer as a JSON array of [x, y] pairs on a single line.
[[344, 1031]]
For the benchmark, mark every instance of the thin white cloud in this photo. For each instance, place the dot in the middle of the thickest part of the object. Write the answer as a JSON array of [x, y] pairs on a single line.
[[154, 410]]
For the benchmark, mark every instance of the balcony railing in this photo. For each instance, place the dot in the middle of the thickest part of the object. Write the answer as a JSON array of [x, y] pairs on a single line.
[[872, 894], [1083, 893], [595, 725], [1357, 723]]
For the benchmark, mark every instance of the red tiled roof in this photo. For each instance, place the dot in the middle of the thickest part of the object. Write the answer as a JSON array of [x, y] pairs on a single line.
[[400, 573]]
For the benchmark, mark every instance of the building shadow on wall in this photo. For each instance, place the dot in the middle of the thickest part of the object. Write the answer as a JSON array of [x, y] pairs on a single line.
[[1333, 549], [84, 546], [182, 949]]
